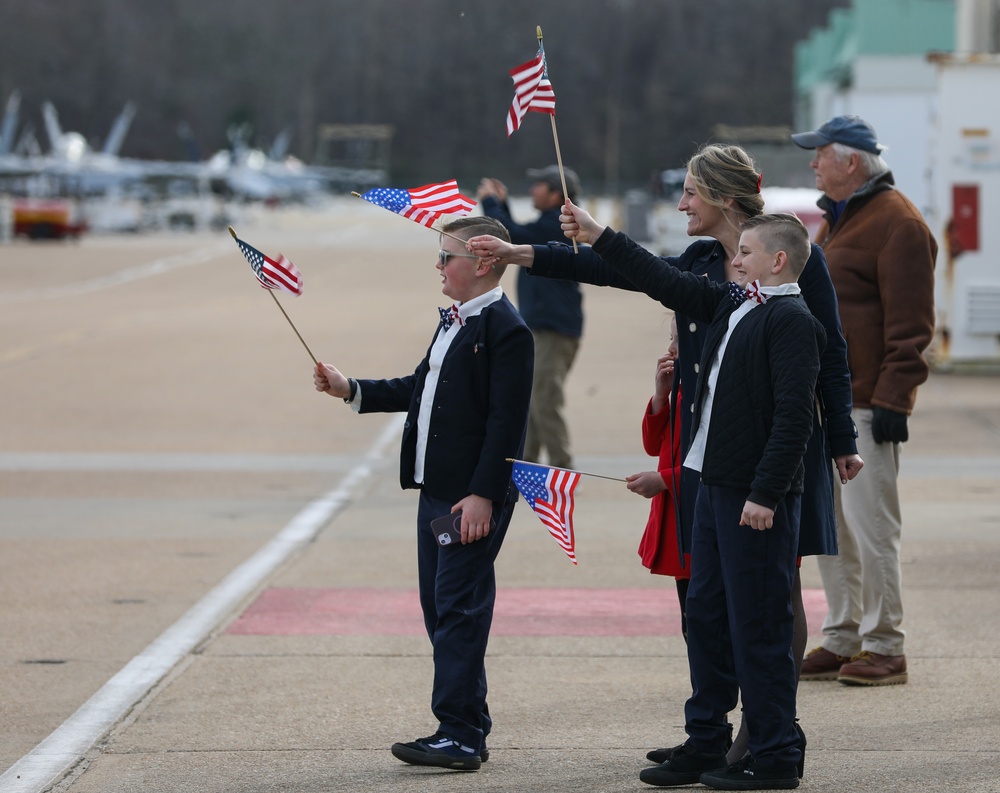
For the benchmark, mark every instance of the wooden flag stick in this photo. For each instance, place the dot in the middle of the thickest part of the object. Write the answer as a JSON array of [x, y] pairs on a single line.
[[281, 308], [555, 137], [562, 173], [447, 234], [572, 471]]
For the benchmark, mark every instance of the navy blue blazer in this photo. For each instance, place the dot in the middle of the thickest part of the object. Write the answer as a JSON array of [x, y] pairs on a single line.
[[834, 433], [764, 402], [480, 408]]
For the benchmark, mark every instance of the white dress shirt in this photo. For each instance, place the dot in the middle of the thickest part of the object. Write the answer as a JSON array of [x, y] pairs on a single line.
[[696, 454]]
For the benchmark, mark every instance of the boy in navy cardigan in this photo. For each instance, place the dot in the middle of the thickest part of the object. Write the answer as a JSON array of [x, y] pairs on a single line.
[[467, 409], [753, 405]]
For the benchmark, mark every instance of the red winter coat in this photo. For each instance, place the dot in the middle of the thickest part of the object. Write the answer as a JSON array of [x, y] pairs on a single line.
[[659, 547]]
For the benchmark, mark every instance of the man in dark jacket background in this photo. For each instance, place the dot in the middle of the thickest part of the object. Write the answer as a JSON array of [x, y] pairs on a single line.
[[552, 309]]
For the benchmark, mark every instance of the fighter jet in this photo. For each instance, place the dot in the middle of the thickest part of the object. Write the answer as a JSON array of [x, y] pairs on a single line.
[[72, 167]]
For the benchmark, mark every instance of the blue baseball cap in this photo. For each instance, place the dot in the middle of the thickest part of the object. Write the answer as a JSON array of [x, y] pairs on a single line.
[[851, 131]]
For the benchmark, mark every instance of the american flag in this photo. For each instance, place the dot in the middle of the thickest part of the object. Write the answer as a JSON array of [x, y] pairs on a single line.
[[271, 274], [549, 492], [532, 90], [423, 205]]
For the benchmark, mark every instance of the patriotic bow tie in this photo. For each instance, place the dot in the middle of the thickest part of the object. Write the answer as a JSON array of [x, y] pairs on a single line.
[[448, 316], [752, 292]]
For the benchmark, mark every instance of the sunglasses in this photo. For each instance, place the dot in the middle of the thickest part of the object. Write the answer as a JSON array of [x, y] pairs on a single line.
[[444, 256]]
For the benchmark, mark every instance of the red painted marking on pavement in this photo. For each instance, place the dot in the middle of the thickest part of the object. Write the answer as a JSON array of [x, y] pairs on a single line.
[[519, 612]]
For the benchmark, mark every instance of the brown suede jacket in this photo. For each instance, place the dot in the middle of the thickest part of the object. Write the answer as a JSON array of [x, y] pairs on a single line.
[[881, 257]]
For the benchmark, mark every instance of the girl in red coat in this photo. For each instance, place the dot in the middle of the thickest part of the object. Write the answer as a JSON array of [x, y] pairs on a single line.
[[660, 548]]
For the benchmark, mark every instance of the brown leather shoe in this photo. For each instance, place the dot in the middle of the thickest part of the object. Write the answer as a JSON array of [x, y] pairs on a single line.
[[872, 669], [821, 664]]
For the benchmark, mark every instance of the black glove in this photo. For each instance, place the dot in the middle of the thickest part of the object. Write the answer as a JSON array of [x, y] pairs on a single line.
[[888, 426]]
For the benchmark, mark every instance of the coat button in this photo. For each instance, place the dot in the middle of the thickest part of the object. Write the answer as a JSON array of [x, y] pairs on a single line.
[[697, 368], [692, 327]]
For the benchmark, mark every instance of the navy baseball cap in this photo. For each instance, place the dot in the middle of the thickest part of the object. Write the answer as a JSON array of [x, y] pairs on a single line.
[[852, 131]]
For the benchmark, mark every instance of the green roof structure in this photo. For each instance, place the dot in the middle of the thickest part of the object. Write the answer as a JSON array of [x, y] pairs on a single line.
[[872, 27]]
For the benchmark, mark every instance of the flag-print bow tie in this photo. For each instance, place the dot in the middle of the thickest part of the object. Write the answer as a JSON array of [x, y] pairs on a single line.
[[448, 316], [752, 292]]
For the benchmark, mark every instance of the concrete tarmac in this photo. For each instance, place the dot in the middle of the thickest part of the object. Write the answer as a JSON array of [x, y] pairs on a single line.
[[207, 569]]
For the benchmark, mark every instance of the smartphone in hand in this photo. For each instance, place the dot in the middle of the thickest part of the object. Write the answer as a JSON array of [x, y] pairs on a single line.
[[448, 528]]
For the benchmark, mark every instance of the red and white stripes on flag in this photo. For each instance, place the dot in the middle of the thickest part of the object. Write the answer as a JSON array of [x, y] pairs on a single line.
[[423, 205], [754, 293], [549, 492], [532, 91], [271, 274]]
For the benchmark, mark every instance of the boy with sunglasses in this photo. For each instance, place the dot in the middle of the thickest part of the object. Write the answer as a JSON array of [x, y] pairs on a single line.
[[467, 409]]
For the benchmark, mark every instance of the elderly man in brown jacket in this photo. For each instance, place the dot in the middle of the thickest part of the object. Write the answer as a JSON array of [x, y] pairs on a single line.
[[881, 258]]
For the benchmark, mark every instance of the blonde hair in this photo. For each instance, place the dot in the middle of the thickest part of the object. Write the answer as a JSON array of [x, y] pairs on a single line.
[[727, 172]]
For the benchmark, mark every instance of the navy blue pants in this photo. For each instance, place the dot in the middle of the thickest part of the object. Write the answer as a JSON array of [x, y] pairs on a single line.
[[457, 593], [739, 620]]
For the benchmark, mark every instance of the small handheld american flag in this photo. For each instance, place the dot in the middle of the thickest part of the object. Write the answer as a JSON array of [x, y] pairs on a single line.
[[532, 90], [549, 492], [271, 274], [423, 205]]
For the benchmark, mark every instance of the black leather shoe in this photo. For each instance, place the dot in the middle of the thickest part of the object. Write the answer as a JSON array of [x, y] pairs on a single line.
[[745, 775], [684, 767]]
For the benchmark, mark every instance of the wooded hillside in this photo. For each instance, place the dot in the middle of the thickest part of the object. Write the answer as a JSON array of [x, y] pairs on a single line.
[[638, 83]]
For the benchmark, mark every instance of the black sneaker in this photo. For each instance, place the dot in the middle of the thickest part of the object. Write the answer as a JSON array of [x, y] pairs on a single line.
[[662, 755], [484, 753], [438, 750], [684, 767], [744, 775]]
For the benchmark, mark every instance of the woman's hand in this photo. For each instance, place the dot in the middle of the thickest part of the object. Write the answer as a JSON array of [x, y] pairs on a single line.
[[577, 224], [494, 250]]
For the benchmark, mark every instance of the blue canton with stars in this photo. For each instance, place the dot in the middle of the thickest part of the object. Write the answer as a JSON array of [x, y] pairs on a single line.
[[390, 198], [531, 481]]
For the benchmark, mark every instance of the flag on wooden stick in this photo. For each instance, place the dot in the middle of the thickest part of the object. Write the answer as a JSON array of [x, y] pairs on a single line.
[[549, 492], [272, 274], [532, 90], [423, 205]]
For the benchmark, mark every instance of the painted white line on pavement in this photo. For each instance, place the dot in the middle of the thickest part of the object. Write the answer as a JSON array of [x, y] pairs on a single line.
[[70, 742], [173, 462], [155, 267]]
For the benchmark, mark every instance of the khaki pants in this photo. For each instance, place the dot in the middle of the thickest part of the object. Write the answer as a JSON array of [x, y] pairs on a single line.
[[863, 584], [554, 355]]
